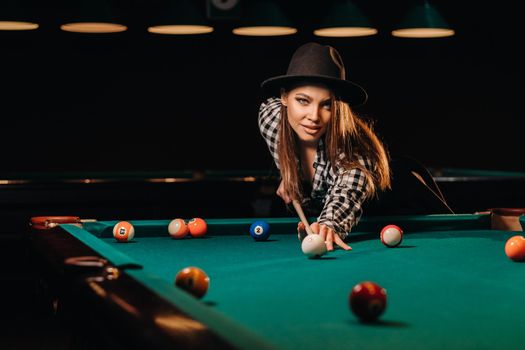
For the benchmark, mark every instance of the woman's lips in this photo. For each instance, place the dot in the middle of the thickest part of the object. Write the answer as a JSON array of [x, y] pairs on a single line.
[[311, 130]]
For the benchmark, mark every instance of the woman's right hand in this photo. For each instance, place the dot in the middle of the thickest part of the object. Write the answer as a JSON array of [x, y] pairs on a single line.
[[283, 194]]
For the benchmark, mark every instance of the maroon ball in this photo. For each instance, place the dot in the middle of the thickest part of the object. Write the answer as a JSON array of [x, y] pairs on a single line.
[[367, 301]]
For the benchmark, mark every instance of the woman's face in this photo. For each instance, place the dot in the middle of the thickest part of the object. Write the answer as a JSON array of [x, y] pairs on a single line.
[[309, 111]]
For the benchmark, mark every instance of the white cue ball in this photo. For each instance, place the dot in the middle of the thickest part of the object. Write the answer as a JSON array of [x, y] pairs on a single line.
[[313, 246], [391, 236]]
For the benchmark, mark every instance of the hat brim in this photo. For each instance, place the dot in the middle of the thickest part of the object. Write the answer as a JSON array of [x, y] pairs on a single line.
[[348, 91]]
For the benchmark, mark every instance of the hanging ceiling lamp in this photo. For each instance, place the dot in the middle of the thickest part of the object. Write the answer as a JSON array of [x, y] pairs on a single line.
[[263, 18], [91, 16], [13, 16], [423, 21], [344, 19], [180, 17]]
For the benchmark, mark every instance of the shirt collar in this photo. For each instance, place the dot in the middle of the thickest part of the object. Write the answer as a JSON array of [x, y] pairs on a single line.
[[320, 158]]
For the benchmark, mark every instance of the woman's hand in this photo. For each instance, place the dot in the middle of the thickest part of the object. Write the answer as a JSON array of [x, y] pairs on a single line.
[[283, 194], [329, 235]]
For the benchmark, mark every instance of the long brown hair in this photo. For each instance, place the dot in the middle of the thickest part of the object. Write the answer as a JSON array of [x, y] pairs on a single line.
[[346, 134]]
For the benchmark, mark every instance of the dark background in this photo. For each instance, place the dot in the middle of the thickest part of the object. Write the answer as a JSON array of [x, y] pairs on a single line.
[[136, 101]]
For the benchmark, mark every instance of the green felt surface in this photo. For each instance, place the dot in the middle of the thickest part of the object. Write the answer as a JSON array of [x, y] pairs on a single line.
[[446, 289], [233, 332]]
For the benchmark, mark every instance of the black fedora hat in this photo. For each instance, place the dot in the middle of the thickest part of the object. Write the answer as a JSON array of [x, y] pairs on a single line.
[[315, 63]]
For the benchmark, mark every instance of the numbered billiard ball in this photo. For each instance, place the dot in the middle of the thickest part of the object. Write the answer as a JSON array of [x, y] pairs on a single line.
[[313, 246], [367, 301], [178, 229], [123, 231], [260, 230], [193, 280], [515, 248], [391, 236], [197, 227]]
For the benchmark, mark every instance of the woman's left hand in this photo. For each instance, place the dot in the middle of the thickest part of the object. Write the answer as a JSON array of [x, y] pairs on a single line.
[[329, 235]]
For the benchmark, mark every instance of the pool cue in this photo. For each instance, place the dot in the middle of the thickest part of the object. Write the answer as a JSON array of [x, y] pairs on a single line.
[[300, 212], [440, 198]]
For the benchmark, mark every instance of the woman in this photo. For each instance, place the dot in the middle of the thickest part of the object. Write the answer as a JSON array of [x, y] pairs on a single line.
[[329, 159]]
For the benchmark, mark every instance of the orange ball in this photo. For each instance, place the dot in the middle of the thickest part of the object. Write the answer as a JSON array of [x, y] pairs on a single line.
[[177, 228], [123, 231], [515, 248], [193, 280], [197, 227]]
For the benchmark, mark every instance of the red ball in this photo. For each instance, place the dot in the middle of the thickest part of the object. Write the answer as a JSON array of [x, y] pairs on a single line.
[[193, 280], [515, 248], [197, 227], [367, 301]]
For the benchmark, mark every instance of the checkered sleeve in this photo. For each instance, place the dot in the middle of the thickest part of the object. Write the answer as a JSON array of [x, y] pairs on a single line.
[[269, 118], [344, 198]]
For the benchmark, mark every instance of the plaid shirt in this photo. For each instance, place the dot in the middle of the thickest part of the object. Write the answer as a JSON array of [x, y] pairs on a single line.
[[339, 192]]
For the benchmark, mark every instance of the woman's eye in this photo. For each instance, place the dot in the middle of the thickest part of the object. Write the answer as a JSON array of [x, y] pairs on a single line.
[[302, 101], [327, 106]]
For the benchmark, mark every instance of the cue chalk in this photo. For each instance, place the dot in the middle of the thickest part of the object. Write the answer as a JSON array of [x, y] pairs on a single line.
[[300, 212]]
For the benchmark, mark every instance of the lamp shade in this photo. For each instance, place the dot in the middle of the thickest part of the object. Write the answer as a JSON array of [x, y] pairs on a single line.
[[263, 18], [344, 19], [423, 21], [180, 17], [91, 16], [13, 16]]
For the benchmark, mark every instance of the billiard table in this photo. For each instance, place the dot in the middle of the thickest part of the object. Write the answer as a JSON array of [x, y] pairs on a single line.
[[470, 190], [156, 194], [449, 285]]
